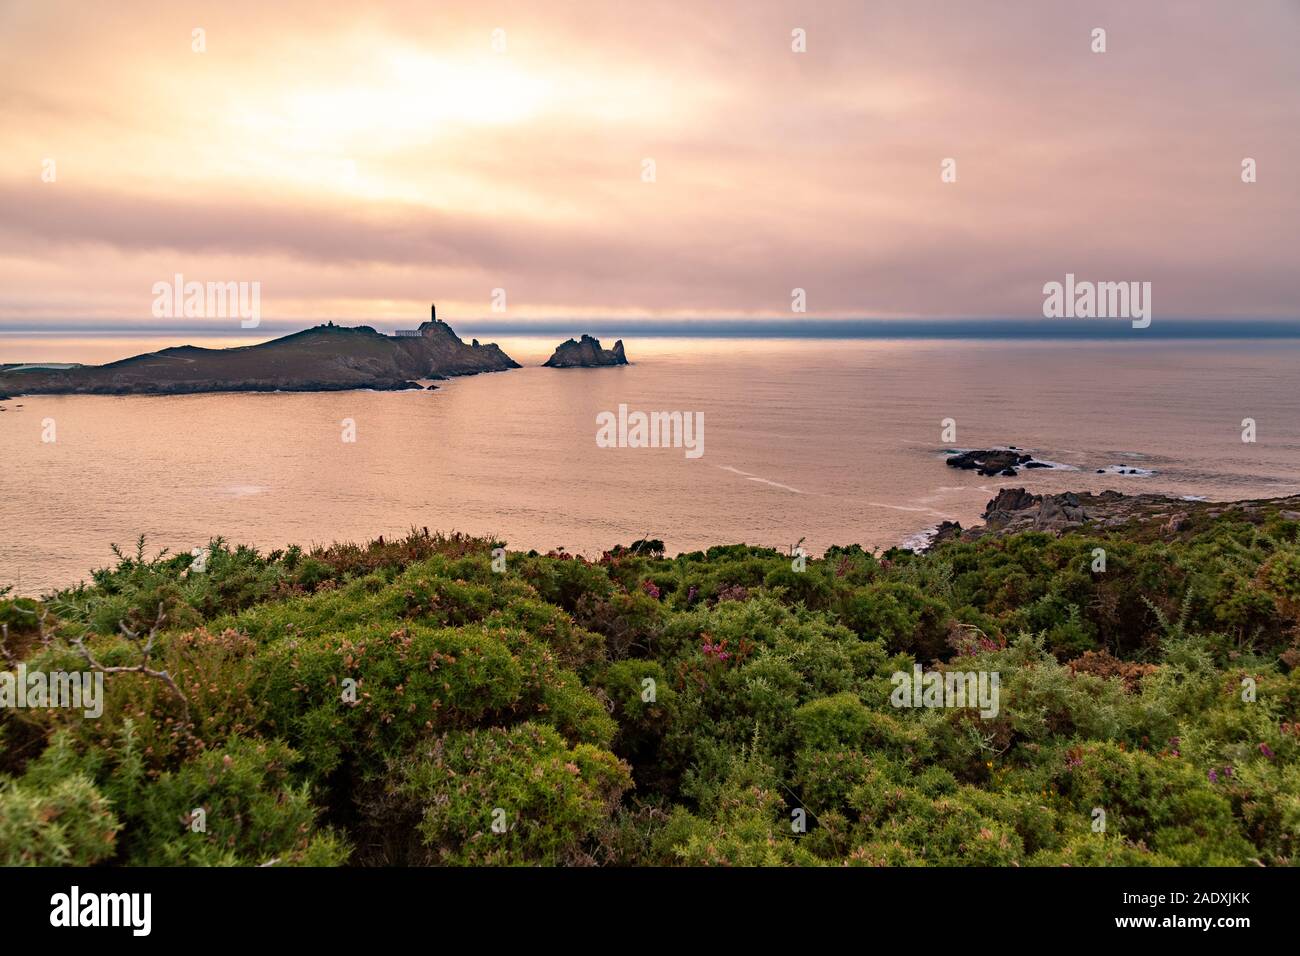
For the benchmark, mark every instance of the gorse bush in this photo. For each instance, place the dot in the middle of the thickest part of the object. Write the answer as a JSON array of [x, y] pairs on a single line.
[[402, 702], [252, 812], [67, 822], [507, 795]]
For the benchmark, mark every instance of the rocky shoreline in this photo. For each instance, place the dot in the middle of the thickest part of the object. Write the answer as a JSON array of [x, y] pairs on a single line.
[[1014, 510], [200, 388]]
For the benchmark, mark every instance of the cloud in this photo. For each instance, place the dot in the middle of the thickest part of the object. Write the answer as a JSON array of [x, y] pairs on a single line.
[[369, 162]]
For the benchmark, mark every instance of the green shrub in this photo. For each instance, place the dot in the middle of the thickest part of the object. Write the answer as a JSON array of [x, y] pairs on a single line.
[[547, 799], [65, 823], [253, 813], [408, 681], [1160, 801], [389, 696], [902, 618]]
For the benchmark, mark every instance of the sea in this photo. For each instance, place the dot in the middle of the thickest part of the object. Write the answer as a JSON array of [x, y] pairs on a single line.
[[805, 442]]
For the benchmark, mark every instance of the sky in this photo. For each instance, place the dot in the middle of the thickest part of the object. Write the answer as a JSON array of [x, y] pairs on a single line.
[[361, 160]]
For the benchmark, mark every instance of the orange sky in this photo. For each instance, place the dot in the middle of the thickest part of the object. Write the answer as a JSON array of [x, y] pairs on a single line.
[[360, 164]]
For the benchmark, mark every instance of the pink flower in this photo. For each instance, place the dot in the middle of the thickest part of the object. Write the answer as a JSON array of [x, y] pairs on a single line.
[[716, 651], [650, 589]]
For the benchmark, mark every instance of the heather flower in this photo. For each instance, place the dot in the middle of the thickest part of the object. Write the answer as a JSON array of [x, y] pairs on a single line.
[[717, 651], [1214, 777], [734, 592], [650, 589], [1266, 750]]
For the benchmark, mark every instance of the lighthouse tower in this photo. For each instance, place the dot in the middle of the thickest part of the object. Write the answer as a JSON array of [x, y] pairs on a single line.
[[415, 333]]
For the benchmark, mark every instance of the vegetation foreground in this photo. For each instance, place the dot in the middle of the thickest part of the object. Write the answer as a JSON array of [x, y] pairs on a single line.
[[405, 703]]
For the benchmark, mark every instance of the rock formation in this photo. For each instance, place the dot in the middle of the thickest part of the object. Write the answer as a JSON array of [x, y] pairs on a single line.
[[1036, 512], [995, 461], [586, 353], [1014, 510], [325, 358]]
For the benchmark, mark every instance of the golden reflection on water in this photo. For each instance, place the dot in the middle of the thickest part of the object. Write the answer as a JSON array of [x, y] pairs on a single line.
[[831, 441]]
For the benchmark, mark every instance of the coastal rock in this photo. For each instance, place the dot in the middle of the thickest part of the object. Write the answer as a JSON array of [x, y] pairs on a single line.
[[947, 530], [325, 358], [1010, 499], [1015, 507], [1014, 510], [1058, 512], [586, 353], [994, 461], [438, 352]]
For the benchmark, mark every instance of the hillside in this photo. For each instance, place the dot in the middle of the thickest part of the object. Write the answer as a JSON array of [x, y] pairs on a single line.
[[429, 701]]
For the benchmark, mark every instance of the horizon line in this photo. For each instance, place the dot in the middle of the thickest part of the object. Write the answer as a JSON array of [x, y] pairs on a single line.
[[778, 328]]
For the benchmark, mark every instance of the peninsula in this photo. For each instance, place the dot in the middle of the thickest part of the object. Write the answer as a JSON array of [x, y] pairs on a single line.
[[324, 358]]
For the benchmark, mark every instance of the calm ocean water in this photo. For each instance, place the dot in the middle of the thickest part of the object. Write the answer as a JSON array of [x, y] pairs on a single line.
[[831, 441]]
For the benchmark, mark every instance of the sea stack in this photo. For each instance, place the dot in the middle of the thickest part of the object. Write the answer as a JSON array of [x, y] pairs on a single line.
[[586, 353]]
